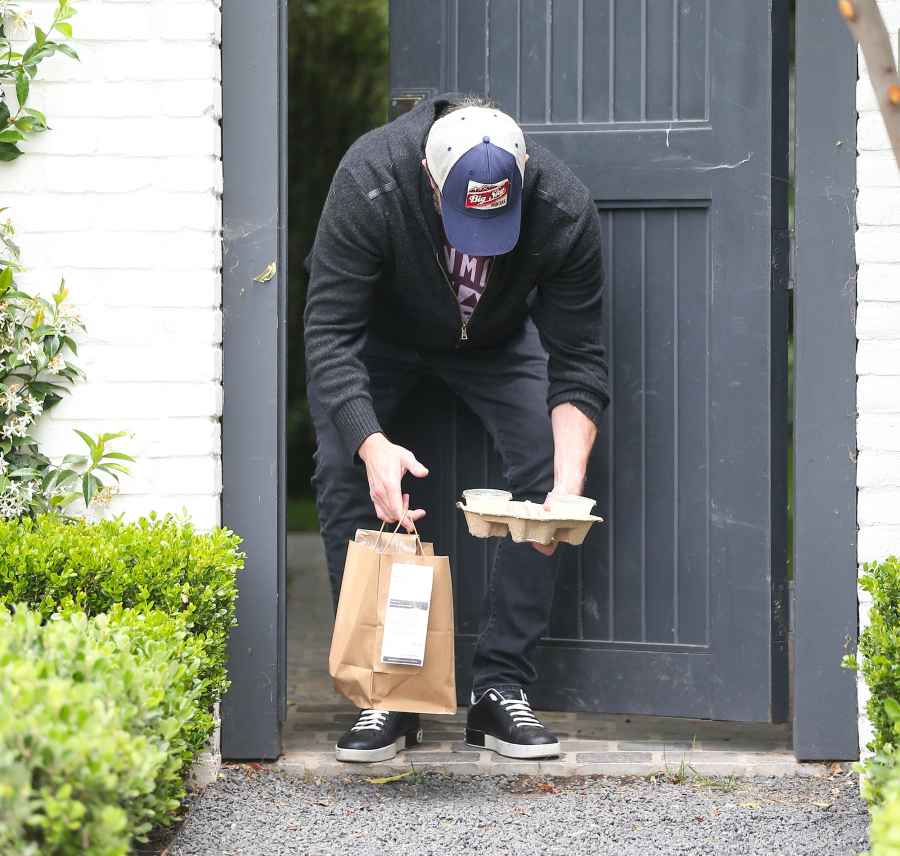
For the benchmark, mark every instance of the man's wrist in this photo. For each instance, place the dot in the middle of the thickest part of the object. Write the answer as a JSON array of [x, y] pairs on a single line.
[[571, 482], [371, 442]]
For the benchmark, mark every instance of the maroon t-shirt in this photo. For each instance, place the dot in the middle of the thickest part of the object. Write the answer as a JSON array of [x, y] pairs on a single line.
[[468, 276]]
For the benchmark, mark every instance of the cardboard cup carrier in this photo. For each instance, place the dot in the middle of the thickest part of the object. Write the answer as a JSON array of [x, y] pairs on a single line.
[[492, 515]]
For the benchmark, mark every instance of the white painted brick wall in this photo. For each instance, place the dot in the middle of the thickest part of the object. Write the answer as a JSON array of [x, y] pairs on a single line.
[[123, 198], [878, 331]]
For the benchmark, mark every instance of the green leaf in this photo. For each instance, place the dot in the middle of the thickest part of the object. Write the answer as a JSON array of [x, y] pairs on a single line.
[[6, 278], [23, 86], [88, 488], [65, 29], [23, 472], [11, 135], [386, 780], [9, 152], [4, 114], [39, 118], [119, 456], [68, 51], [39, 36], [74, 460], [109, 467], [87, 439]]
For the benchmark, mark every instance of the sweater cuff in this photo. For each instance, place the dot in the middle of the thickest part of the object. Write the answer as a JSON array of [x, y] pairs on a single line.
[[355, 420], [589, 405], [589, 410]]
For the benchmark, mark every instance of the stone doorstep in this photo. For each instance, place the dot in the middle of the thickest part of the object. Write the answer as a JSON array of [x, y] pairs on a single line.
[[468, 761], [314, 742]]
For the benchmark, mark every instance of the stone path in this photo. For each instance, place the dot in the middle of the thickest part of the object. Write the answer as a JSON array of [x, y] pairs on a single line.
[[591, 743]]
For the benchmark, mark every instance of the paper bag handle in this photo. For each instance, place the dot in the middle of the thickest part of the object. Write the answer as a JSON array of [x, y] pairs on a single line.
[[420, 550]]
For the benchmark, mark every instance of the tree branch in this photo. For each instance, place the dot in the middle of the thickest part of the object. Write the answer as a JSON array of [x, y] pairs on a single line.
[[867, 27]]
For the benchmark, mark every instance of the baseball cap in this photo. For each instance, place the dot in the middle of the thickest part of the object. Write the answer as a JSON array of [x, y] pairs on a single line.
[[476, 156]]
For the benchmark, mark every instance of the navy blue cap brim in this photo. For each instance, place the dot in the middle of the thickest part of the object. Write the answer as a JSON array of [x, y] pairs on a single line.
[[478, 235]]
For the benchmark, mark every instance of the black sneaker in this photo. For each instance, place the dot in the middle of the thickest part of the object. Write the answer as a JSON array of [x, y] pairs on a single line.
[[503, 721], [378, 735]]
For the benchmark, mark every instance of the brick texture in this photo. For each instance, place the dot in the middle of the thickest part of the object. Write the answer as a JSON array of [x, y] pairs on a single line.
[[878, 332], [123, 198]]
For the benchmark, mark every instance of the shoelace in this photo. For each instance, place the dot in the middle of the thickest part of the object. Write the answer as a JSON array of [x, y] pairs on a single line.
[[521, 712], [370, 720]]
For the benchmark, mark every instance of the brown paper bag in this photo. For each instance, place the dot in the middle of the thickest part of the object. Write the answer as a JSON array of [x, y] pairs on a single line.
[[355, 659]]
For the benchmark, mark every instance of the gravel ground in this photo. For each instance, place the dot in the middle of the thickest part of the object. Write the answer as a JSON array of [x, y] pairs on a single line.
[[255, 810]]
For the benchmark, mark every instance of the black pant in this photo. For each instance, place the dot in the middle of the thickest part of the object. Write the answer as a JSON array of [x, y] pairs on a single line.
[[506, 387]]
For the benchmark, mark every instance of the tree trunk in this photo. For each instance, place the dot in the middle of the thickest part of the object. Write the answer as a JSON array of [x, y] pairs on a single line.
[[867, 27]]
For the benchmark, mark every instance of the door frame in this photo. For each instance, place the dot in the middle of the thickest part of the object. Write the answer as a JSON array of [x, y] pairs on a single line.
[[824, 278], [254, 346], [254, 153]]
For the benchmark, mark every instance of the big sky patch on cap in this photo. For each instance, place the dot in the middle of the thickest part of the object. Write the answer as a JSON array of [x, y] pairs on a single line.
[[476, 156]]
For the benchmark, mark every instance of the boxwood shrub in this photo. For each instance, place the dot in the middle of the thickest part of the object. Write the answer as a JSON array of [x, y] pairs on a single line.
[[52, 563], [98, 717], [879, 647], [884, 832]]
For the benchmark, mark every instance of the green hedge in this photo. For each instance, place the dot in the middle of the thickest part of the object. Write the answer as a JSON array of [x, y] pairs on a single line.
[[98, 717], [51, 563], [884, 832], [879, 646], [109, 668]]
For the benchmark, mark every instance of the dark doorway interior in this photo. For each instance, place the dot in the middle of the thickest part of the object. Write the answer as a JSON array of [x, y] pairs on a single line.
[[338, 90]]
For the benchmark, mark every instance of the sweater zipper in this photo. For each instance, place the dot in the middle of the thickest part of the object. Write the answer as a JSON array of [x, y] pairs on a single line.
[[464, 324], [463, 334]]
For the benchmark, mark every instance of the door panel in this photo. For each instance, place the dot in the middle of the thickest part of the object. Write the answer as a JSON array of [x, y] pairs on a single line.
[[663, 109]]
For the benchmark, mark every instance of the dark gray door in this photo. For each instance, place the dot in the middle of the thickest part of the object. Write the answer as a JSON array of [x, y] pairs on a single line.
[[664, 109]]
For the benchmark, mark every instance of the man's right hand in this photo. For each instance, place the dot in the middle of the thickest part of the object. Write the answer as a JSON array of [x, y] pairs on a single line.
[[386, 464]]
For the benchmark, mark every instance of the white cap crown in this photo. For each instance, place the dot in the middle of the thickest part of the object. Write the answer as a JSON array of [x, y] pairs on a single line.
[[453, 135]]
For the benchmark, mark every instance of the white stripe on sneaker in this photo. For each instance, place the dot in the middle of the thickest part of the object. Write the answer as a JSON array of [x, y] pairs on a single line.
[[518, 750]]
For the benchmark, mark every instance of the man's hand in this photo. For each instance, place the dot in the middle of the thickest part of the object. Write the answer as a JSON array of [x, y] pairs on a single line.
[[386, 464], [573, 436]]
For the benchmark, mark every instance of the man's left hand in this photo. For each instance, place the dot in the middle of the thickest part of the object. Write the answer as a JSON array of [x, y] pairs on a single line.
[[558, 490], [573, 437]]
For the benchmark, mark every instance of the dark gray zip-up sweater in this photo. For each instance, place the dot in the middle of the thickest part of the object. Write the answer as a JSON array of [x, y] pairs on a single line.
[[376, 264]]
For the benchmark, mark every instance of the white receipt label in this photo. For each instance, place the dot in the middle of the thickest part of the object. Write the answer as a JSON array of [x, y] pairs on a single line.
[[406, 615]]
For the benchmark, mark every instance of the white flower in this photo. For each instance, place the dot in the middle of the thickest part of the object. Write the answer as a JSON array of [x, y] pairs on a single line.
[[11, 399], [4, 465], [56, 365], [35, 407], [17, 427], [27, 490], [31, 351], [11, 504]]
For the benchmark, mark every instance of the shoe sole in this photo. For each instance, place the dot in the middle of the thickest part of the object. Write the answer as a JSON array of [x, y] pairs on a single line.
[[384, 753], [480, 740]]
